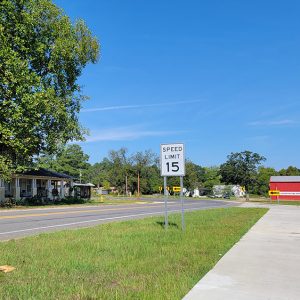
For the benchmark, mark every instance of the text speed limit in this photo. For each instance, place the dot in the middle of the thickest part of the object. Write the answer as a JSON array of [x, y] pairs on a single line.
[[172, 160]]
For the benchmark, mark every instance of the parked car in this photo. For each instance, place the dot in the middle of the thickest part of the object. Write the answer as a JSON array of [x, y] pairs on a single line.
[[226, 196]]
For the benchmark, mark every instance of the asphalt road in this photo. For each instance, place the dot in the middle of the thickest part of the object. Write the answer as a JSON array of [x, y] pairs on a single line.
[[19, 223]]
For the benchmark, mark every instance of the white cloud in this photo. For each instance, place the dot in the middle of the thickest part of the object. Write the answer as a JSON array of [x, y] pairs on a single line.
[[273, 123]]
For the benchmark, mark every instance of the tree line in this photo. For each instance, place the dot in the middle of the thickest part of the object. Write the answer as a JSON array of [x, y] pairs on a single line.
[[140, 171]]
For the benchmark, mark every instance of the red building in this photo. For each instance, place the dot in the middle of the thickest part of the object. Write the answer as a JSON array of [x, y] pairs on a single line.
[[288, 187]]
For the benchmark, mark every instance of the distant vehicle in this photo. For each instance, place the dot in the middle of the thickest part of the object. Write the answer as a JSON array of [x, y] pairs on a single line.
[[226, 196]]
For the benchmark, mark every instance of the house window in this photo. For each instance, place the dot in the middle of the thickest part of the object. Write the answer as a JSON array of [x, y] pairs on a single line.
[[25, 188], [8, 189]]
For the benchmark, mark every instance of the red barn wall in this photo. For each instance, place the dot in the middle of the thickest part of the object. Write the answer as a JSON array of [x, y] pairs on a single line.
[[286, 187]]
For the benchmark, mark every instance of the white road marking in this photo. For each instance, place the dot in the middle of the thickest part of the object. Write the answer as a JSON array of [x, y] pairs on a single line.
[[104, 219]]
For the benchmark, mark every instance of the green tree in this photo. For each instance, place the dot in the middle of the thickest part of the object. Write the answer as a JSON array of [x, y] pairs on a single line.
[[194, 175], [141, 167], [41, 56], [290, 171], [47, 161], [99, 172], [106, 184], [154, 180], [261, 186], [241, 168], [211, 177], [173, 181], [71, 160], [120, 168]]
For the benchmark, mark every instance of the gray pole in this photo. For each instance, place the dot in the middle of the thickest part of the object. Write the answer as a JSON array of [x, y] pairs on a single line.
[[166, 202], [182, 200]]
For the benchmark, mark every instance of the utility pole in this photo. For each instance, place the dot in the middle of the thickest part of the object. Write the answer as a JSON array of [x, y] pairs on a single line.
[[126, 189]]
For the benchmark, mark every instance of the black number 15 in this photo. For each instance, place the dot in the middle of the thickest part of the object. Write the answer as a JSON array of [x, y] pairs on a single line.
[[174, 166]]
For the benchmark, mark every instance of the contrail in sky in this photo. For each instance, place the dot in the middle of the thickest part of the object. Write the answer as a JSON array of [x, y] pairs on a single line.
[[273, 123], [126, 134], [119, 107]]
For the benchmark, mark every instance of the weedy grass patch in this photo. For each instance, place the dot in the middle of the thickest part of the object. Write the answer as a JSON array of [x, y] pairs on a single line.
[[135, 259]]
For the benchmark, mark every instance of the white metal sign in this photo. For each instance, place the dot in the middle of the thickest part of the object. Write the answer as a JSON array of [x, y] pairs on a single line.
[[172, 159], [281, 193]]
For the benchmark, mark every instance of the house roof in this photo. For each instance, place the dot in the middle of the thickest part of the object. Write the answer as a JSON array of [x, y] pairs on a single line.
[[46, 173], [83, 184], [285, 179]]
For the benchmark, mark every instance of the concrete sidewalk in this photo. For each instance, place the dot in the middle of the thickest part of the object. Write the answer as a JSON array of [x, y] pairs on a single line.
[[263, 265]]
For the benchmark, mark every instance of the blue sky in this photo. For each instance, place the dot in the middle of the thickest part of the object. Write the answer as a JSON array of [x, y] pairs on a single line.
[[219, 76]]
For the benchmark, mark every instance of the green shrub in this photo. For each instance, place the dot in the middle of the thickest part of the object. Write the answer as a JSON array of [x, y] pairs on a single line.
[[8, 202]]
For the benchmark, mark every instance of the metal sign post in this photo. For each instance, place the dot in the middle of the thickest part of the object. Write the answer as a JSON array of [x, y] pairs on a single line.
[[172, 163], [182, 203], [166, 202]]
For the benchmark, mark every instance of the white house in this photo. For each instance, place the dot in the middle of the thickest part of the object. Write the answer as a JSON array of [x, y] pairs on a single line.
[[41, 183]]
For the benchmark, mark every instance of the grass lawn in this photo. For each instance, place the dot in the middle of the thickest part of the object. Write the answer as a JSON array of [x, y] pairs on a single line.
[[127, 260], [92, 202], [281, 202], [285, 202], [108, 200]]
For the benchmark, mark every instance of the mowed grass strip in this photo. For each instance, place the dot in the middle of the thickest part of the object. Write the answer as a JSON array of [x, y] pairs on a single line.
[[127, 260], [285, 202]]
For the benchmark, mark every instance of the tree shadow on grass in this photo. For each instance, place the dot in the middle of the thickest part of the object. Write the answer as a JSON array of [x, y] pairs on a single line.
[[162, 224]]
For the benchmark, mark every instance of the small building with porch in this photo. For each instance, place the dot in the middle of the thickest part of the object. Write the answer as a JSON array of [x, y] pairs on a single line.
[[83, 190], [41, 183]]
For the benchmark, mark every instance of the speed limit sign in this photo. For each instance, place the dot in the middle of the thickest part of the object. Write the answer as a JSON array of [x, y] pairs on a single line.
[[172, 163], [172, 160]]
